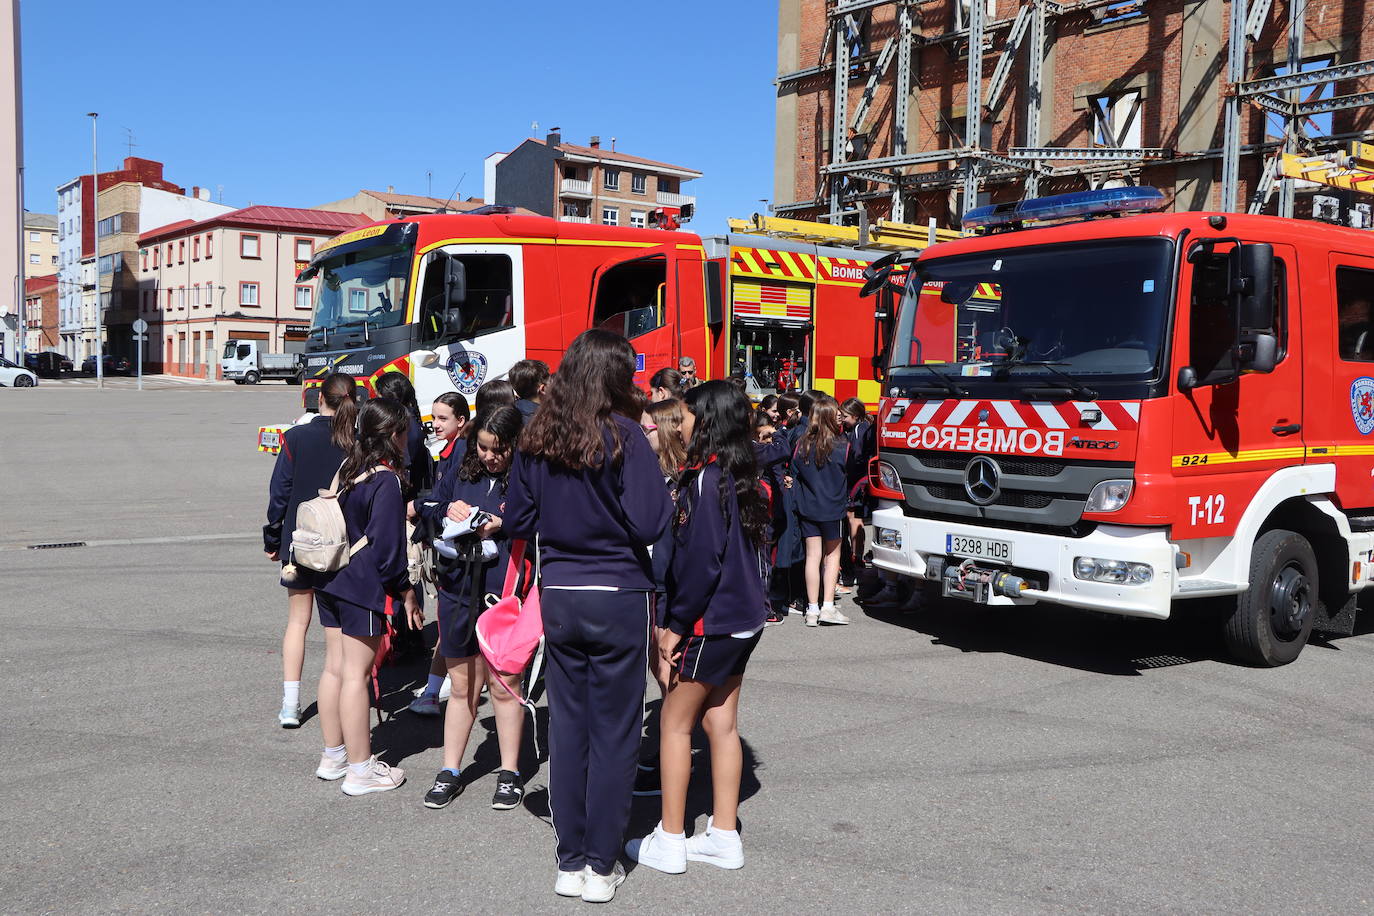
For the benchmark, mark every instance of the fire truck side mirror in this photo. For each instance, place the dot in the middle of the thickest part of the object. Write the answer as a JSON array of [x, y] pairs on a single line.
[[455, 283], [1260, 352], [1255, 284]]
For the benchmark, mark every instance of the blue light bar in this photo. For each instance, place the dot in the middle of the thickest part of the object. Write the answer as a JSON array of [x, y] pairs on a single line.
[[1066, 206]]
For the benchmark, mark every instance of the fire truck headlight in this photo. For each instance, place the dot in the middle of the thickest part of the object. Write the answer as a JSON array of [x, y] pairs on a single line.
[[889, 477], [1115, 572], [889, 538], [1109, 496]]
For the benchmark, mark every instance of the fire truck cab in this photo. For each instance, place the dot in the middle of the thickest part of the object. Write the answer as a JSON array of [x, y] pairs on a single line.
[[1152, 415]]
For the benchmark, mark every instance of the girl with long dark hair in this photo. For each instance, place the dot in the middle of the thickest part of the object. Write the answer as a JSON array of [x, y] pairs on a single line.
[[819, 468], [479, 486], [716, 612], [309, 456], [419, 462], [587, 484], [352, 601]]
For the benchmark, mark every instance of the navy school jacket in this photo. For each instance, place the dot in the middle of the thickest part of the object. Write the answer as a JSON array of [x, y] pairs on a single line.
[[376, 508], [594, 525], [862, 447], [487, 493], [715, 579], [419, 462], [305, 465], [822, 489]]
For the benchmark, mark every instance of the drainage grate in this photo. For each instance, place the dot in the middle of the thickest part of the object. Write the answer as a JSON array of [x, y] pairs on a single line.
[[57, 546]]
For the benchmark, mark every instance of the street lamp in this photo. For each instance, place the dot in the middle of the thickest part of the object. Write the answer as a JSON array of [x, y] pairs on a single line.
[[95, 244]]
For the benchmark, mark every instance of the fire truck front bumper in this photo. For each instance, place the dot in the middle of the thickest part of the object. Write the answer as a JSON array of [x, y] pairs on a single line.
[[1114, 570]]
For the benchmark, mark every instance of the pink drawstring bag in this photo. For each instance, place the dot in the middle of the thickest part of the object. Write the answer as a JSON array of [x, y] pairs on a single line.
[[509, 632]]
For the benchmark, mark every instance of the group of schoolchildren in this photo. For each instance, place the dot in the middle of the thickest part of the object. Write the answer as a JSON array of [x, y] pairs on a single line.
[[659, 524]]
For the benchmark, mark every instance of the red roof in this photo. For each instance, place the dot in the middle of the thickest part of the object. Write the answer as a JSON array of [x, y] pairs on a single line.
[[38, 284], [267, 217]]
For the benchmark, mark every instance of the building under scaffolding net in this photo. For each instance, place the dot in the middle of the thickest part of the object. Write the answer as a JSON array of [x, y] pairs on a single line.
[[883, 111]]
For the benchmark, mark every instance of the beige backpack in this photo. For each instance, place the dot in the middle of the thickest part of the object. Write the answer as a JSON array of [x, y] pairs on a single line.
[[320, 541]]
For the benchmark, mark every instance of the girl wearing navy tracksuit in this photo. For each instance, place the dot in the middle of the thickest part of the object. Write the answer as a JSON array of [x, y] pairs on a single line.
[[449, 414], [587, 483], [858, 431], [478, 486], [819, 462], [352, 601], [716, 611], [309, 456]]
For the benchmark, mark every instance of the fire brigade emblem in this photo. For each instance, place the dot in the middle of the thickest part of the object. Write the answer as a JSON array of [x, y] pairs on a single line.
[[467, 369], [1362, 404]]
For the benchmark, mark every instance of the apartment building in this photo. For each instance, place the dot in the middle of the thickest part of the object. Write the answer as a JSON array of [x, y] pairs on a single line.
[[40, 313], [76, 249], [585, 184], [384, 205], [40, 244], [203, 282]]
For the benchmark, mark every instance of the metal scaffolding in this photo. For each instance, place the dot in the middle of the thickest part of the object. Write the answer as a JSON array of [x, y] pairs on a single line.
[[971, 165]]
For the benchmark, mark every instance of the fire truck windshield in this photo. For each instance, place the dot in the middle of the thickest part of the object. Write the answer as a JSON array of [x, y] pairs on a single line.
[[1094, 311], [368, 285]]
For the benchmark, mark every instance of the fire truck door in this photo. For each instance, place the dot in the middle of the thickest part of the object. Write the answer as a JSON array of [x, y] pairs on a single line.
[[1230, 433], [634, 296]]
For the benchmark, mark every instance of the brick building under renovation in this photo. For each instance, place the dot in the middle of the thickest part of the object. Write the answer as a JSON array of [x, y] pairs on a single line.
[[1197, 97]]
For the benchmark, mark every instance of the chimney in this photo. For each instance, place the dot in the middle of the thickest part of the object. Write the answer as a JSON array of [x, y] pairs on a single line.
[[391, 189], [613, 144], [596, 142], [195, 191], [554, 138]]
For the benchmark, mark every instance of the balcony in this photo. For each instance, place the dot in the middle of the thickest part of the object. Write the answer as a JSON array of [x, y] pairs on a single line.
[[668, 199], [571, 187], [575, 219]]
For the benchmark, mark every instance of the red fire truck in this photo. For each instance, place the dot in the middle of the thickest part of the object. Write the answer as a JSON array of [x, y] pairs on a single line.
[[454, 299], [1143, 416]]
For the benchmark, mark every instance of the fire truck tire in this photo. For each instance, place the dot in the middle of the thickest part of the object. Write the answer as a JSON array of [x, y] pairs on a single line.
[[295, 379], [1272, 620], [250, 378]]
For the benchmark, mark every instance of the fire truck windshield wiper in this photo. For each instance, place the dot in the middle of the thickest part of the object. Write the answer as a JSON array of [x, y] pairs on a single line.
[[1074, 387], [943, 379]]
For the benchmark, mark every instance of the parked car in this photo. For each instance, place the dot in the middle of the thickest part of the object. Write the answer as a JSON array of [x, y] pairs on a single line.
[[13, 376], [114, 365], [48, 364]]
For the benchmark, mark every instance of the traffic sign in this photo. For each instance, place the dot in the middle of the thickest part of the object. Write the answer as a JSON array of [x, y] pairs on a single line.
[[139, 325]]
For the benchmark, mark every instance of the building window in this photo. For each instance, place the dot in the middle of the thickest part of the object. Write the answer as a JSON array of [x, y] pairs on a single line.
[[248, 294], [54, 238], [357, 300], [36, 259], [195, 296], [610, 216], [208, 239], [169, 254], [570, 209], [181, 252], [108, 263], [961, 12], [109, 225], [249, 246], [195, 248], [637, 219], [157, 257], [34, 236], [143, 256], [1116, 120], [54, 260], [304, 296], [611, 179], [305, 248], [196, 347], [169, 300], [638, 182], [181, 297]]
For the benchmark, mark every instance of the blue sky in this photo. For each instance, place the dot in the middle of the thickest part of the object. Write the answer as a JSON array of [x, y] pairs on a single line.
[[299, 103]]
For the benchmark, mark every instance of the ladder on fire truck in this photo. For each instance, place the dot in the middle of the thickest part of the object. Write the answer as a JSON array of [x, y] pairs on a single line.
[[885, 235], [1351, 171]]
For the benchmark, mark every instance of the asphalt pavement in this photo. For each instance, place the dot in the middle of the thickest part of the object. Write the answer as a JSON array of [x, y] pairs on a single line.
[[954, 761]]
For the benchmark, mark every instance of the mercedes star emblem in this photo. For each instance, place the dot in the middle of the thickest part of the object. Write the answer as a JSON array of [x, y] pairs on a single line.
[[982, 480]]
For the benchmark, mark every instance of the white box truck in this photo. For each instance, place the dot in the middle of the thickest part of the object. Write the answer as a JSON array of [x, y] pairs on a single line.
[[245, 363]]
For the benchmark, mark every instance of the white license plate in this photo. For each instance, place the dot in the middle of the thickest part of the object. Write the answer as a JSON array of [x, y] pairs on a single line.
[[978, 548]]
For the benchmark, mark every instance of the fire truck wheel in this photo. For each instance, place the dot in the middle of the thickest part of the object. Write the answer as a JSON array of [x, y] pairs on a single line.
[[1273, 619], [250, 378]]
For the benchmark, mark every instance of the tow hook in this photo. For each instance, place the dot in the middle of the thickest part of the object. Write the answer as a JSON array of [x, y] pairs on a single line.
[[973, 583]]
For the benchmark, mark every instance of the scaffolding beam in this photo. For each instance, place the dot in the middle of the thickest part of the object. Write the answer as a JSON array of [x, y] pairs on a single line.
[[973, 114], [1288, 81], [1230, 127], [1090, 152], [901, 102], [1002, 71]]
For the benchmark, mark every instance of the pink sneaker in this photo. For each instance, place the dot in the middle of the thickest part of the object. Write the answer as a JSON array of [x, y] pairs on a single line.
[[332, 769], [380, 777]]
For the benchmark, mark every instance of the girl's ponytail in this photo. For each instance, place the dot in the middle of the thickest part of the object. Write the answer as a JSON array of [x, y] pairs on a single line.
[[337, 391]]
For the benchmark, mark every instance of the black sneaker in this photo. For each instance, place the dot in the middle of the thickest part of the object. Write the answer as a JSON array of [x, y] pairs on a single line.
[[509, 792], [447, 787], [774, 618], [647, 781]]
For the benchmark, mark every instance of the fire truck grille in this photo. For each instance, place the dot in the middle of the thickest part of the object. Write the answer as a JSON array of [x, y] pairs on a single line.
[[1018, 499], [1025, 467]]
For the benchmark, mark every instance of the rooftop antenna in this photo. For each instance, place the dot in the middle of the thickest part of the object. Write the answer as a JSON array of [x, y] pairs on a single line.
[[220, 188], [444, 208], [429, 182], [129, 141], [534, 126]]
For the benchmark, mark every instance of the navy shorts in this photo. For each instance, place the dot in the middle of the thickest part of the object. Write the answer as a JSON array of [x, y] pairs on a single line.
[[715, 659], [829, 531], [353, 619], [457, 635]]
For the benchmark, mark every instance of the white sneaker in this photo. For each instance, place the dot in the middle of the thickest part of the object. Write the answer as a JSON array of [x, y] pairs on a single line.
[[830, 615], [722, 849], [601, 888], [332, 769], [446, 688], [380, 777], [289, 717], [569, 883], [660, 850], [813, 618]]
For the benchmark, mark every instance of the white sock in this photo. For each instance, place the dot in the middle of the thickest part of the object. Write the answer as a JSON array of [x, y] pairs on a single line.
[[726, 834], [671, 836], [432, 686], [813, 609], [338, 754], [359, 770], [290, 693], [826, 605]]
